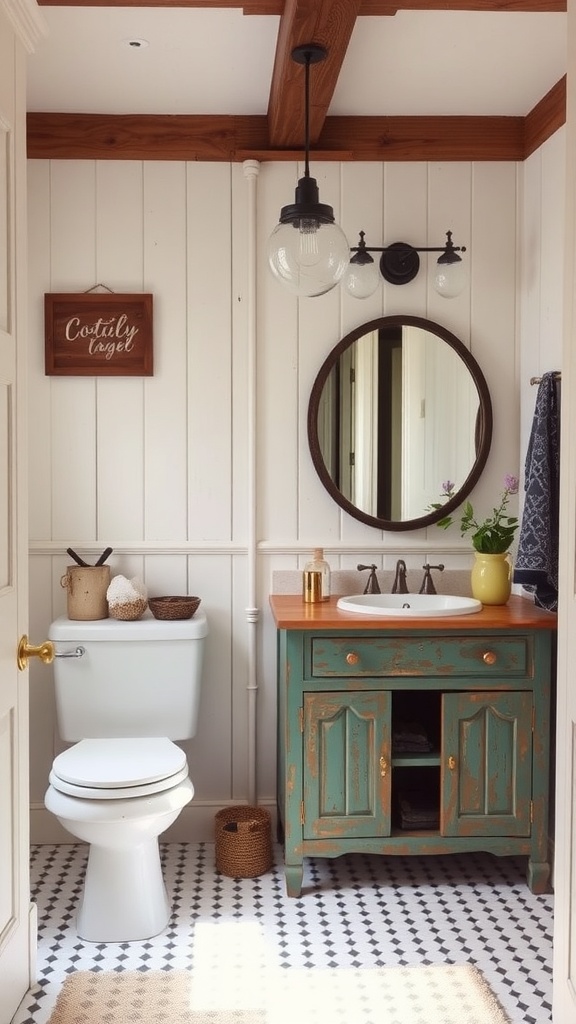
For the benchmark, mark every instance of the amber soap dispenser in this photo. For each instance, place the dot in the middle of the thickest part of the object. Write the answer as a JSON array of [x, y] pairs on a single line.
[[317, 578]]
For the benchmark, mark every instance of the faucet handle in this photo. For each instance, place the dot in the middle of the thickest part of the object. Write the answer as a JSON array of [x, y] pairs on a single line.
[[428, 583], [372, 585]]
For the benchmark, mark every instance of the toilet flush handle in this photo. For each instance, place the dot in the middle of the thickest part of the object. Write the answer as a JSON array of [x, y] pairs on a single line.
[[43, 651]]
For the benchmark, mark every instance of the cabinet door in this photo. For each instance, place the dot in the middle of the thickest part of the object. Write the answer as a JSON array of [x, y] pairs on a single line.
[[486, 764], [346, 764]]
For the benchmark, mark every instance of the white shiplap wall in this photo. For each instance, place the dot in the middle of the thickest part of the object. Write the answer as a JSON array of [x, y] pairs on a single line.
[[157, 467]]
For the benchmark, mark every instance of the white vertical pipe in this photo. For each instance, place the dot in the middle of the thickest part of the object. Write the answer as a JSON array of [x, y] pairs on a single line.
[[251, 170]]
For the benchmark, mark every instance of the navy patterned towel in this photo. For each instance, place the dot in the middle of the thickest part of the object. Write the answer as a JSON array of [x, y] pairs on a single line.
[[536, 566]]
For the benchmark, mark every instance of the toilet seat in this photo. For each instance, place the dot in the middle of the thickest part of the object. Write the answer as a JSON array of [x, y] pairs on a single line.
[[119, 768]]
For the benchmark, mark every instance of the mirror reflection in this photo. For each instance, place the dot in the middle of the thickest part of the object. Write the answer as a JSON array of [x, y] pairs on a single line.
[[399, 409]]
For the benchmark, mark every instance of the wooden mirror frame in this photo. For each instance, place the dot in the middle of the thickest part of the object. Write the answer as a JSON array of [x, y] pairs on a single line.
[[483, 424]]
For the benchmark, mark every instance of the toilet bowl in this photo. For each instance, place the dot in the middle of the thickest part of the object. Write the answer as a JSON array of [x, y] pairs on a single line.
[[118, 792]]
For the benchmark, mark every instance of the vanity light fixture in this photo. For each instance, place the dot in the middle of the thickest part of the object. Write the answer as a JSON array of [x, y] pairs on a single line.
[[307, 251], [399, 263]]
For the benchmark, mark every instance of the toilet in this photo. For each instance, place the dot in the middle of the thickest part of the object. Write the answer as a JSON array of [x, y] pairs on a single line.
[[125, 691]]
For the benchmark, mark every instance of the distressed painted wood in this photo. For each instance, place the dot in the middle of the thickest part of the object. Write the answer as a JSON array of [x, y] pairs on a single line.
[[481, 686]]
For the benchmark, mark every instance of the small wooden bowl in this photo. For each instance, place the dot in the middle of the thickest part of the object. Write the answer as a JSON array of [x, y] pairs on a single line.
[[173, 607]]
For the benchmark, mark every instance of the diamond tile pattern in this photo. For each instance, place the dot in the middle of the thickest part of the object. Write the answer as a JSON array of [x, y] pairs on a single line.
[[356, 911]]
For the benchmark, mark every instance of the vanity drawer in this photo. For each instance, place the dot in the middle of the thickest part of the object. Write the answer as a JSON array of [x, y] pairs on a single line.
[[476, 656]]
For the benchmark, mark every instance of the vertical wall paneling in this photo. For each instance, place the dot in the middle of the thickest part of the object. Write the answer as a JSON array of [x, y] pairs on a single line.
[[552, 254], [220, 739], [362, 210], [208, 299], [450, 197], [74, 454], [530, 175], [73, 400], [319, 328], [120, 401], [278, 414], [541, 273], [494, 325], [165, 405], [243, 321], [248, 720]]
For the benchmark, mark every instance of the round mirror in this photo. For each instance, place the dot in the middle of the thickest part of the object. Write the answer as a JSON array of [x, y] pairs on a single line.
[[399, 414]]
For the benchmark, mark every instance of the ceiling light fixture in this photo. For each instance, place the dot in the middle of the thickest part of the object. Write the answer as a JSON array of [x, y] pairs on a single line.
[[399, 263], [307, 251]]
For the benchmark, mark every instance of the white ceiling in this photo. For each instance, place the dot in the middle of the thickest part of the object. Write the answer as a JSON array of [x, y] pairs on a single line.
[[206, 61]]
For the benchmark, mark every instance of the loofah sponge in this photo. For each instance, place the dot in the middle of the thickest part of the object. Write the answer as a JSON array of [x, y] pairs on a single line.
[[127, 599]]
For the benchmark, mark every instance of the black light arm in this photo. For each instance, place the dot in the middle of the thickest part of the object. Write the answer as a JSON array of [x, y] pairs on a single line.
[[399, 262]]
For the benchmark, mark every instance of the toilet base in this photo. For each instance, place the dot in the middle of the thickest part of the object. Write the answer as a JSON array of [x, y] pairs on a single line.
[[124, 898]]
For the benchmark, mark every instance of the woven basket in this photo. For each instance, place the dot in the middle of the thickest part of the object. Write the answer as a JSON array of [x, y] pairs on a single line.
[[243, 842], [129, 611], [174, 607]]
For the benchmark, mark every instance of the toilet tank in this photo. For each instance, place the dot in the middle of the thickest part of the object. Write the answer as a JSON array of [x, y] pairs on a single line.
[[116, 679]]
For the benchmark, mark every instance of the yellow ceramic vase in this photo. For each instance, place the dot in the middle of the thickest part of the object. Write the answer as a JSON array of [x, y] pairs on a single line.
[[492, 577]]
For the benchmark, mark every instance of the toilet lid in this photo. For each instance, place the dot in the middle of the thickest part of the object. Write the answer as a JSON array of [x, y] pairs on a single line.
[[123, 767]]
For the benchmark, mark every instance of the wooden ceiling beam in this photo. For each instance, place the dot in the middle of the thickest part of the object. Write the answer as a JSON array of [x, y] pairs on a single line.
[[329, 23], [217, 138], [545, 118], [367, 7]]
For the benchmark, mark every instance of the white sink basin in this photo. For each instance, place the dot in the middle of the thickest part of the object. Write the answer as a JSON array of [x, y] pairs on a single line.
[[409, 605]]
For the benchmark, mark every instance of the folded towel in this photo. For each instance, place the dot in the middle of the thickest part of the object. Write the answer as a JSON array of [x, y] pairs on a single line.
[[536, 567]]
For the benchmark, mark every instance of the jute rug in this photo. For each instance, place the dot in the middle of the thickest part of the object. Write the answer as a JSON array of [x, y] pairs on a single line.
[[440, 994]]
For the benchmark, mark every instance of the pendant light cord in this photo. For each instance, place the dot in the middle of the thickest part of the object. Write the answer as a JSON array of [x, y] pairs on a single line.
[[307, 117]]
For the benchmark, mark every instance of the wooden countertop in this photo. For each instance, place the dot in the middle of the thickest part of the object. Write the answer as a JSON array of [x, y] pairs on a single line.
[[291, 612]]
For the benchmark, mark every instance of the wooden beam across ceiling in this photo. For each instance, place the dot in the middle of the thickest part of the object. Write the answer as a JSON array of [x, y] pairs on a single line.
[[182, 137], [373, 8]]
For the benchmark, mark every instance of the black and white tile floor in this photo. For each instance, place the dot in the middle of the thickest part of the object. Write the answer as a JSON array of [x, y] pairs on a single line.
[[355, 911]]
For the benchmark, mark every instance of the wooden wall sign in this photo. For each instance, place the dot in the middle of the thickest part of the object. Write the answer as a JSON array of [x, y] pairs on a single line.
[[91, 335]]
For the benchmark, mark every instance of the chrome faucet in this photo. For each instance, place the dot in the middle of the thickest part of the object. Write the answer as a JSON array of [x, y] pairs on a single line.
[[428, 583], [399, 586], [372, 585]]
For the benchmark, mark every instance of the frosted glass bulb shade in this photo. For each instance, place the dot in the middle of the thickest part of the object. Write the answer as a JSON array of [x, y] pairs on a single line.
[[361, 279], [308, 257], [449, 279]]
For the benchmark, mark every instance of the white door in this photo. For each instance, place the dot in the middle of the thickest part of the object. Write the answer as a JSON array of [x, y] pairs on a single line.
[[17, 932], [564, 1008]]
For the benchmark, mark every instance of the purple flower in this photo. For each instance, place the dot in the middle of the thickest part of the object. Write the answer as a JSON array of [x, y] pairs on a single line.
[[447, 487], [511, 483]]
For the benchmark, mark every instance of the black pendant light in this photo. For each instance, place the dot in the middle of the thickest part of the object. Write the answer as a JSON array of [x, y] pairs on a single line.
[[307, 251]]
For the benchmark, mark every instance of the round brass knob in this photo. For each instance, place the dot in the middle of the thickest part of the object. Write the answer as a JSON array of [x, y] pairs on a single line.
[[352, 658], [43, 651], [489, 657]]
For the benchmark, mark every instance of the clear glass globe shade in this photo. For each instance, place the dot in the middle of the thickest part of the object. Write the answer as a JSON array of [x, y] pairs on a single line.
[[308, 260], [361, 279], [449, 279]]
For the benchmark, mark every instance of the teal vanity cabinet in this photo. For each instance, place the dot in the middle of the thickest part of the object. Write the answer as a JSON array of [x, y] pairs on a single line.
[[413, 736]]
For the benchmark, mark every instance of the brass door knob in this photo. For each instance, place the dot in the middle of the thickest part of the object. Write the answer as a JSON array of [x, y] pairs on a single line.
[[452, 763], [43, 651], [352, 658], [489, 657]]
